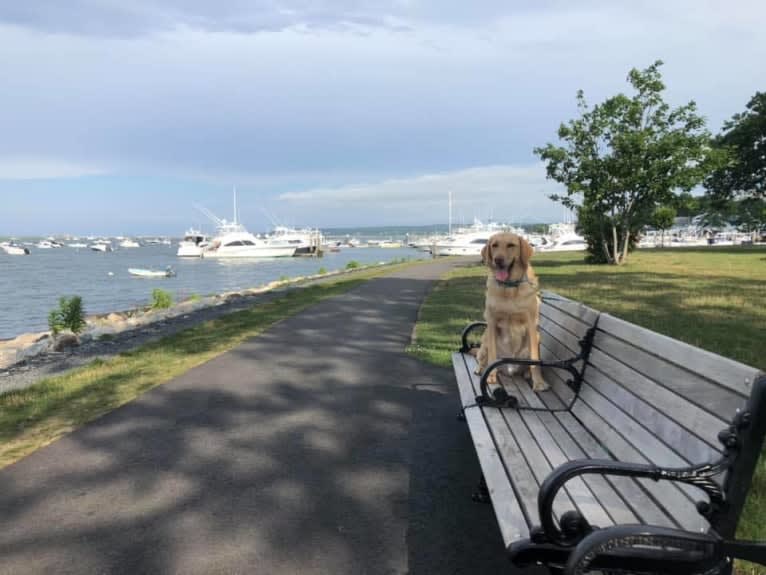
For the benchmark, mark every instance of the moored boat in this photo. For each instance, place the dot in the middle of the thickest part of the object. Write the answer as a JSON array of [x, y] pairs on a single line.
[[14, 250], [150, 273], [193, 244]]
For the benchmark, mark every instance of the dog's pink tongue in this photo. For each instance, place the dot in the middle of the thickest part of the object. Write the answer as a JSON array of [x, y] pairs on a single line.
[[501, 275]]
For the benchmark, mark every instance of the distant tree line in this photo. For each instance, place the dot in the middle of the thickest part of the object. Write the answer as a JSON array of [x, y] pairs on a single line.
[[632, 161]]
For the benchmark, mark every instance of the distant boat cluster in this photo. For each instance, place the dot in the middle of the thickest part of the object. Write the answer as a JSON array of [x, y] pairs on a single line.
[[470, 240], [96, 244]]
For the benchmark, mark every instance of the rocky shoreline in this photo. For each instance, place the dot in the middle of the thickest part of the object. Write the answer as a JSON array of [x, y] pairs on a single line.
[[30, 357]]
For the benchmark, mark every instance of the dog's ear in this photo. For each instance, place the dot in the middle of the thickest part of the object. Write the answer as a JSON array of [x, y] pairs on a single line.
[[527, 252], [486, 254]]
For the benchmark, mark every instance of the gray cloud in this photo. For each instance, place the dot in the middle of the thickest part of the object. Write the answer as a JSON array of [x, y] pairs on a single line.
[[505, 193], [300, 96]]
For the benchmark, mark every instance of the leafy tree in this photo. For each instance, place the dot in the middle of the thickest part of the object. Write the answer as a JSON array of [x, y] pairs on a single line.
[[69, 315], [662, 219], [744, 136], [161, 299], [685, 204], [623, 157], [751, 215]]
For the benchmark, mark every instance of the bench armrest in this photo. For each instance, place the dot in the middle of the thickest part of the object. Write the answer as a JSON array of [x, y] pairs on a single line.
[[646, 549], [652, 549], [505, 400], [574, 527]]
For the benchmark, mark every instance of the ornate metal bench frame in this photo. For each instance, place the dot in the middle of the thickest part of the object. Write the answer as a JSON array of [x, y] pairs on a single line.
[[576, 547]]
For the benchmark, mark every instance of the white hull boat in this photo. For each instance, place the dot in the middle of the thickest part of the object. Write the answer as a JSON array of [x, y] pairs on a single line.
[[148, 273], [193, 245], [14, 250], [101, 247], [234, 241], [129, 244], [567, 243], [242, 244]]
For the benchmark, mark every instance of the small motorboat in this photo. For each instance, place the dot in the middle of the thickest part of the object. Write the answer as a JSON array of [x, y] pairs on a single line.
[[13, 249], [147, 273]]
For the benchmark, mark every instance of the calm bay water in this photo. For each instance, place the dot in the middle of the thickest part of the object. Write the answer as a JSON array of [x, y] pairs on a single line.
[[30, 286]]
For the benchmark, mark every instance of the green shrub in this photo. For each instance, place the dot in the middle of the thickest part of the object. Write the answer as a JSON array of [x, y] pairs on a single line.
[[69, 315], [161, 299], [352, 265], [322, 271], [195, 297], [284, 279]]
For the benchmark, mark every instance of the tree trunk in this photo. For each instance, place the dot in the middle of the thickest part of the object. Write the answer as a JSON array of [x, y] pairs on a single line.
[[615, 246], [625, 245]]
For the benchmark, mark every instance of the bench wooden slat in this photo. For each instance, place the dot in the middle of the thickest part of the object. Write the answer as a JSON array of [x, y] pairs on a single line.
[[574, 308], [561, 335], [713, 398], [524, 481], [614, 505], [644, 442], [573, 326], [667, 494], [726, 372], [634, 495], [556, 377], [510, 518], [678, 438], [578, 490], [701, 423], [536, 461]]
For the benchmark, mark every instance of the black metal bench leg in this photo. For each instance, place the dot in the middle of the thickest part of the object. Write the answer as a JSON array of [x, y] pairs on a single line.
[[481, 495]]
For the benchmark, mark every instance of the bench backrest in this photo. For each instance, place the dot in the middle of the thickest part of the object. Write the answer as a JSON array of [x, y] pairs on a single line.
[[649, 398]]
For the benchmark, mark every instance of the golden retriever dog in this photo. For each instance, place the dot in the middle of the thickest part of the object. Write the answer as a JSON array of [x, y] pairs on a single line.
[[511, 307]]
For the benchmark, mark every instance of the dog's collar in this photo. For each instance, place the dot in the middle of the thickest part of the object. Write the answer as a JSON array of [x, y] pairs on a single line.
[[514, 283]]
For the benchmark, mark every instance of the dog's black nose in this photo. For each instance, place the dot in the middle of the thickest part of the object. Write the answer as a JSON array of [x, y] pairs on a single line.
[[499, 262]]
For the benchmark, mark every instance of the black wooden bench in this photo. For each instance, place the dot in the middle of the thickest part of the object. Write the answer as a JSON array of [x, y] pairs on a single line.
[[639, 458]]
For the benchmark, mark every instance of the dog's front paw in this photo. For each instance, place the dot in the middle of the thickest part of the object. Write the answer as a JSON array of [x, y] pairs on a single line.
[[540, 384], [492, 378]]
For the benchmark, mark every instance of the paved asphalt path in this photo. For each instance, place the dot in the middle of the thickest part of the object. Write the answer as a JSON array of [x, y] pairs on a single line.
[[317, 447]]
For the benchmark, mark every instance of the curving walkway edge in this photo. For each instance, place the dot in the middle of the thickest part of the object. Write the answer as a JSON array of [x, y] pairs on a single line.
[[318, 447]]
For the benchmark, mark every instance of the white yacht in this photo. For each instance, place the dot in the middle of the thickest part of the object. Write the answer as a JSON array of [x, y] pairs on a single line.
[[234, 241], [129, 243], [566, 243], [102, 246], [468, 241], [193, 244], [77, 245], [306, 241], [48, 244], [563, 238], [14, 250]]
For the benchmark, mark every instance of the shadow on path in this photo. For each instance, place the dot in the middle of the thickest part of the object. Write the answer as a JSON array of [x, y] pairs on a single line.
[[319, 447]]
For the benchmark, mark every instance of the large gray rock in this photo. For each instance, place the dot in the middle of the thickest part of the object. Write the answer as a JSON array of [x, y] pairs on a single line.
[[65, 340]]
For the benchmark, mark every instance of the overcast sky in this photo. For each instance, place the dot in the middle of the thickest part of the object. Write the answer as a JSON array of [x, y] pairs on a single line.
[[118, 116]]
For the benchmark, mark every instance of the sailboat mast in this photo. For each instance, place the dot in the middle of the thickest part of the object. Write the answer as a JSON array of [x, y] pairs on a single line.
[[450, 213], [235, 205]]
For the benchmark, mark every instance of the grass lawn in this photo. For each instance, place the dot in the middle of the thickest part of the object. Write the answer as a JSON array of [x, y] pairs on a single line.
[[713, 298], [36, 416]]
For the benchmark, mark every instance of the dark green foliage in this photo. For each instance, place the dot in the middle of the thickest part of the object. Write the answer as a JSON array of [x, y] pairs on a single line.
[[69, 315], [744, 137], [161, 299], [596, 229], [663, 218], [623, 157], [352, 265], [322, 271]]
